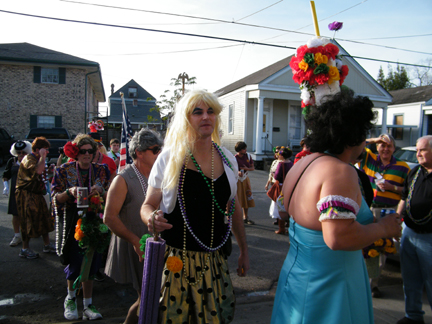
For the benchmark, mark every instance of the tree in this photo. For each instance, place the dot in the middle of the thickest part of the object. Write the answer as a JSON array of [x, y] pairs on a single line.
[[423, 75], [395, 80]]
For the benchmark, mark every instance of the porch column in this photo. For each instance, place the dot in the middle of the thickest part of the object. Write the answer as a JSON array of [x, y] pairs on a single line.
[[259, 126], [384, 121]]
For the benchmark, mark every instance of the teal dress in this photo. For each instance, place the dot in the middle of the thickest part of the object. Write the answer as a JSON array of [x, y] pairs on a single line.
[[319, 285]]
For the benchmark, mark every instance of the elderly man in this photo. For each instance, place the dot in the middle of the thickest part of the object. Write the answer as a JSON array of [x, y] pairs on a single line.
[[386, 174], [416, 242]]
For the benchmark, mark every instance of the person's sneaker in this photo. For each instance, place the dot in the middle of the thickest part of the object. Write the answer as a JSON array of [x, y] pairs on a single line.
[[99, 276], [15, 241], [29, 254], [49, 248], [91, 313], [70, 309]]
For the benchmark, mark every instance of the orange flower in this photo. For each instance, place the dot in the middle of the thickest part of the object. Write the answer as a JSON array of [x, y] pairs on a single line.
[[79, 235], [174, 264], [390, 250], [320, 58], [79, 222], [303, 65], [380, 242], [373, 253]]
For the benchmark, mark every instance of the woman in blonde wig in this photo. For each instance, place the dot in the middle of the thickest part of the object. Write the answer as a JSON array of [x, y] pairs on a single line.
[[193, 183]]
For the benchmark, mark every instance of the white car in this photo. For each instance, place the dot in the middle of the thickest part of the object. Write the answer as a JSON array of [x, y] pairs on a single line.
[[407, 154]]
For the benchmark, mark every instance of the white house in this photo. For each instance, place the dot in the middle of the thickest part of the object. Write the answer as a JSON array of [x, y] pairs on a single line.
[[409, 116], [264, 108]]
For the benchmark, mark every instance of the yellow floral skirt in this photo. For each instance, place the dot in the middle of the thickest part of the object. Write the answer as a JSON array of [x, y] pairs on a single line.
[[212, 300]]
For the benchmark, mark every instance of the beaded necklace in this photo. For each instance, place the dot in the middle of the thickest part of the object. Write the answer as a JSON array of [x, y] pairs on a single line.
[[141, 179], [81, 181], [423, 220], [214, 202], [59, 249]]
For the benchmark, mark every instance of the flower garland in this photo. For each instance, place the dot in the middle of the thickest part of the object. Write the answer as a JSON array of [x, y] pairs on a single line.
[[318, 70], [385, 246]]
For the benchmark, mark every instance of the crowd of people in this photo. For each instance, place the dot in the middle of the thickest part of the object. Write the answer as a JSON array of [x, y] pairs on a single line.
[[194, 193]]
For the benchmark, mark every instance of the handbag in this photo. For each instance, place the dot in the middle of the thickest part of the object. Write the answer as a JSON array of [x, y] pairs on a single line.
[[274, 191]]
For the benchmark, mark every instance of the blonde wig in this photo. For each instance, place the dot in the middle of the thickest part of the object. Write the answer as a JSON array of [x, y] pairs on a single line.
[[181, 137]]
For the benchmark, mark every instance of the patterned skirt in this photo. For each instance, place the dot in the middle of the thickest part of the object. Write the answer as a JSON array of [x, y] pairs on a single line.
[[212, 300]]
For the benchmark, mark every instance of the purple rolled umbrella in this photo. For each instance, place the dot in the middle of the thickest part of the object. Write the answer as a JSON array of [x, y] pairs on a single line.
[[152, 277]]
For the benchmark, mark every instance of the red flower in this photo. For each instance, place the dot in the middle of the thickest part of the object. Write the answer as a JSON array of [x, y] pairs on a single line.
[[331, 50], [294, 64], [71, 150], [321, 78], [301, 51], [310, 76], [343, 73]]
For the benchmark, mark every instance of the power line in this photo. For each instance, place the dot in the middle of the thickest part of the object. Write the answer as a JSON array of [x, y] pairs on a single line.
[[258, 11], [188, 34]]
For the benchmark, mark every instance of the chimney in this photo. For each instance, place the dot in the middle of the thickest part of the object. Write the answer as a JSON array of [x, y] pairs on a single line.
[[112, 88]]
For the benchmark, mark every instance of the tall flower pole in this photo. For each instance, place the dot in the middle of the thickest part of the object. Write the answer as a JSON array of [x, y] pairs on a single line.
[[315, 20]]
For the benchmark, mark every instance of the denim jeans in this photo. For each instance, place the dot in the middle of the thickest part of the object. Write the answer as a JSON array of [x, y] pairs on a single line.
[[416, 266]]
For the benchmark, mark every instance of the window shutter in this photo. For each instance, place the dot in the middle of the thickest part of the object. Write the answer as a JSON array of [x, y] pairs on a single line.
[[36, 75], [33, 121], [58, 121], [62, 75]]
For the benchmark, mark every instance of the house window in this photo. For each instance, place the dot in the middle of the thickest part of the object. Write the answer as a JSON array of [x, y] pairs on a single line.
[[135, 103], [133, 92], [49, 75], [231, 119], [294, 128], [46, 121], [398, 132]]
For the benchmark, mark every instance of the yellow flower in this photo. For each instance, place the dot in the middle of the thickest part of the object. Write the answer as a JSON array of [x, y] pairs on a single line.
[[333, 74], [303, 65], [380, 242], [174, 264], [320, 58], [390, 250], [388, 242], [373, 253]]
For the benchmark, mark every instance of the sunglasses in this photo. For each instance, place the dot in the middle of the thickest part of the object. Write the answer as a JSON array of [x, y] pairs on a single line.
[[89, 151], [21, 153], [155, 149]]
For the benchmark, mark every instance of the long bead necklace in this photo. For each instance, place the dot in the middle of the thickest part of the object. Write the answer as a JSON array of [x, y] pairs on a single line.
[[141, 179], [81, 181], [186, 221], [59, 249], [423, 220]]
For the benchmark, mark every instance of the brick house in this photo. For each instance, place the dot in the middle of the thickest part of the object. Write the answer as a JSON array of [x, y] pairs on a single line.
[[40, 87]]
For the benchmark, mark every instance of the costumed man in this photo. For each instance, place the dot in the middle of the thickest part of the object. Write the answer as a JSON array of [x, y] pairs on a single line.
[[386, 174], [416, 243], [101, 158]]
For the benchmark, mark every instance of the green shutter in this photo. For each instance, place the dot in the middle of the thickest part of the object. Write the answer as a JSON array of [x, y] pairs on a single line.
[[36, 74], [58, 121], [33, 121], [62, 75]]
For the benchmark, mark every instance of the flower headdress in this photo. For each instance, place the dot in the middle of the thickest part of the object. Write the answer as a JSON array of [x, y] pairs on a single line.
[[318, 70], [96, 126], [71, 150]]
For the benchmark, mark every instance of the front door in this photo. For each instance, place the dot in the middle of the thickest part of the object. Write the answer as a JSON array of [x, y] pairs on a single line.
[[266, 145]]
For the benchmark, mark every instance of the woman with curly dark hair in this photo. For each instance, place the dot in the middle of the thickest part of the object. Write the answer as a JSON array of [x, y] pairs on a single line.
[[324, 277]]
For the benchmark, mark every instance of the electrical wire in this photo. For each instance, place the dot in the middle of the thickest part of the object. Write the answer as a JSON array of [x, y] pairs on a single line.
[[259, 11]]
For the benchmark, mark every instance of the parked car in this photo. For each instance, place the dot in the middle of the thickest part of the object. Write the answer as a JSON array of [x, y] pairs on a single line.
[[57, 136], [407, 154], [6, 142]]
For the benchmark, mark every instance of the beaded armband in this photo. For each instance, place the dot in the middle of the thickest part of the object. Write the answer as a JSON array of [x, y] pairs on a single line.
[[337, 207]]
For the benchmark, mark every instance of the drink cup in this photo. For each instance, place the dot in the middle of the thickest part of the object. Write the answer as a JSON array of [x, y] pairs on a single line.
[[82, 197], [378, 181]]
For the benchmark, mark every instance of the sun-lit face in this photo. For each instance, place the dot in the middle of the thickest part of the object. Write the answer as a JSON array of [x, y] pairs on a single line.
[[87, 157], [115, 147], [424, 153], [385, 150], [203, 120]]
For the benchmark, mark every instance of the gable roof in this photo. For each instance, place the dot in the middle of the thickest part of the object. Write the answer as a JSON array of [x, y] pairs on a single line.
[[141, 92], [256, 77], [29, 54], [409, 95], [25, 52]]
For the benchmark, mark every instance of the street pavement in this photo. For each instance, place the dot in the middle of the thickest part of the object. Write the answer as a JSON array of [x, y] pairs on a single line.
[[267, 251]]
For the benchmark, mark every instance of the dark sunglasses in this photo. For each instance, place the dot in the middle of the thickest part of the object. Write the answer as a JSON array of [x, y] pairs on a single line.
[[155, 149], [89, 151]]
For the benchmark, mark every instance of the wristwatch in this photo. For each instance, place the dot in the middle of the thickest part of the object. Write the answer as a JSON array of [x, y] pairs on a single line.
[[395, 188]]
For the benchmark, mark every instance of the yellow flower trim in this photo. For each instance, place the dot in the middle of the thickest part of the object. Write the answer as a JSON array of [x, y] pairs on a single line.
[[373, 253], [303, 65], [174, 264], [320, 58], [380, 242], [333, 74]]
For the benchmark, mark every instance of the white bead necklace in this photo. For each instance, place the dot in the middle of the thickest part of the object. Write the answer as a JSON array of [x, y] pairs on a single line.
[[59, 249], [141, 179]]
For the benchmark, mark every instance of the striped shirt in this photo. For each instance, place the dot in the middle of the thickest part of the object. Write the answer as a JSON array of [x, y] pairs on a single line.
[[394, 173]]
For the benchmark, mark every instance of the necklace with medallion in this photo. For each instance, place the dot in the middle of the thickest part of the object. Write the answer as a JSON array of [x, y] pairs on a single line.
[[423, 220]]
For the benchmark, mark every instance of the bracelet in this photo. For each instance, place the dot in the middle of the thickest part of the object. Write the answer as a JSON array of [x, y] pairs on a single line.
[[68, 193]]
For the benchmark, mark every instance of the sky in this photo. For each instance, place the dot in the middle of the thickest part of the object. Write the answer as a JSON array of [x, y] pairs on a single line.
[[388, 30]]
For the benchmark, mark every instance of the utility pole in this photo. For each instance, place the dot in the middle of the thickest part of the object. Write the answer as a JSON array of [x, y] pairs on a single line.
[[183, 76]]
